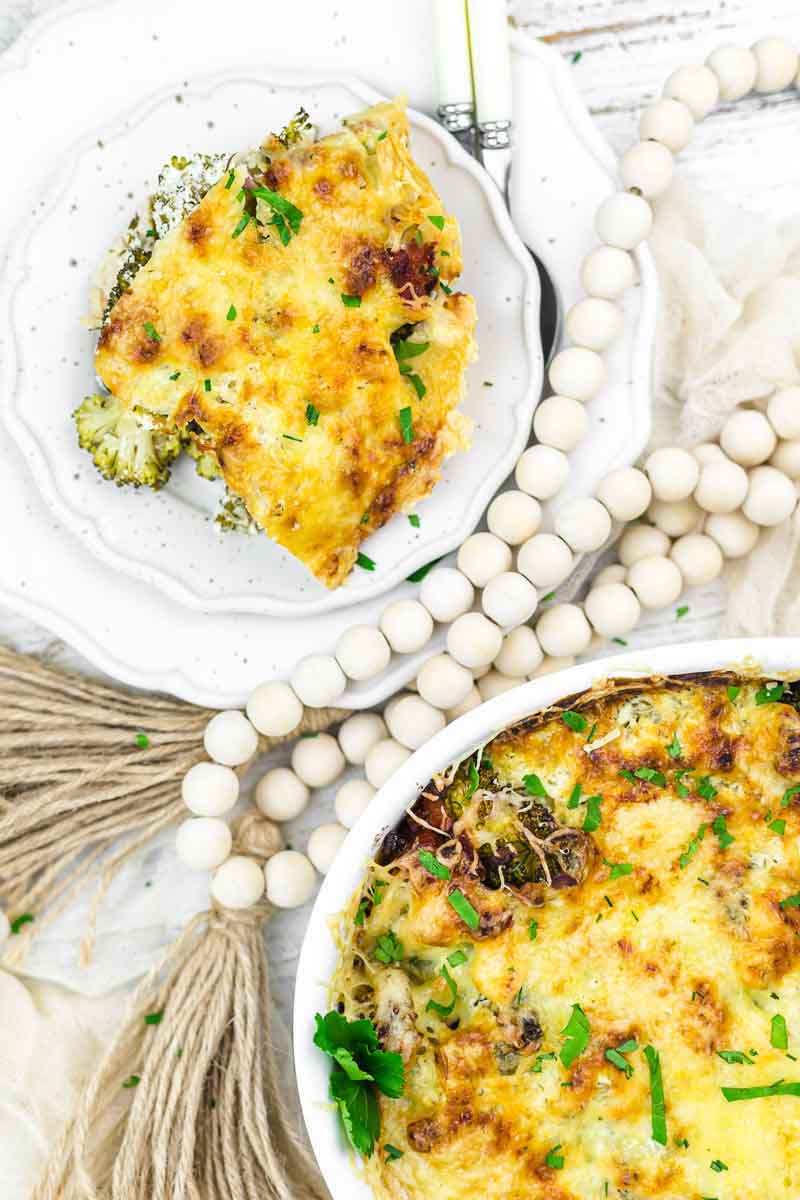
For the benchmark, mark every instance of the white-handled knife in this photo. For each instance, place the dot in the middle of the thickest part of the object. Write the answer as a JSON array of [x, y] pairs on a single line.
[[456, 108]]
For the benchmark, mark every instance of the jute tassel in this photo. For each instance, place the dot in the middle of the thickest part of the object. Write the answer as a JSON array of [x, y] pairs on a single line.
[[78, 795]]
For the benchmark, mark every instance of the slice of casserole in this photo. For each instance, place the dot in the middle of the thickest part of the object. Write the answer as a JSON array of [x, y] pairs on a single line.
[[296, 332]]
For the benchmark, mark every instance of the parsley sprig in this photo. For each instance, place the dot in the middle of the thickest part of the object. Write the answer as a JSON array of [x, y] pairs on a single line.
[[358, 1072]]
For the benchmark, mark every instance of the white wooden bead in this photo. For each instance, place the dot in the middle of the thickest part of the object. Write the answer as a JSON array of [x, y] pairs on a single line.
[[648, 166], [318, 680], [748, 438], [324, 844], [230, 739], [563, 630], [607, 272], [722, 486], [577, 372], [613, 573], [209, 789], [274, 709], [359, 733], [281, 795], [239, 882], [541, 472], [520, 653], [669, 122], [473, 640], [641, 541], [317, 760], [482, 556], [708, 452], [657, 581], [612, 609], [443, 682], [515, 516], [559, 421], [698, 558], [509, 599], [783, 412], [290, 879], [733, 533], [203, 843], [696, 86], [413, 721], [407, 626], [594, 323], [546, 560], [623, 220], [494, 684], [735, 68], [363, 652], [673, 473], [386, 758], [771, 497], [446, 593], [584, 524], [352, 799], [470, 701], [675, 517], [787, 458], [551, 663], [5, 928], [626, 493], [776, 64], [479, 672]]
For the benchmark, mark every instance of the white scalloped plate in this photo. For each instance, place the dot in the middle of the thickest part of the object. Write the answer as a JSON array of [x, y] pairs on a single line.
[[169, 538], [116, 56]]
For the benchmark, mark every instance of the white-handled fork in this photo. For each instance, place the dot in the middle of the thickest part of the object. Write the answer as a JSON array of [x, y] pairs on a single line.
[[475, 104]]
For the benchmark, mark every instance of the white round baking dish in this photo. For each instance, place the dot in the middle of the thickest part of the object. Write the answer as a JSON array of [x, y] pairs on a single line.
[[778, 656]]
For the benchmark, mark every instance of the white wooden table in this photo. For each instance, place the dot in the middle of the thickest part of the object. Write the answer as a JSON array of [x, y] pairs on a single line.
[[621, 52]]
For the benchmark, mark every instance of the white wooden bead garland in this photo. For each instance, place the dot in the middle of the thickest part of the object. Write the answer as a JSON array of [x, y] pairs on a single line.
[[702, 507]]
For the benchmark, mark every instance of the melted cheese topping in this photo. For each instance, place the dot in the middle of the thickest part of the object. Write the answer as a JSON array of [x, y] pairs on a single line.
[[311, 324], [665, 926]]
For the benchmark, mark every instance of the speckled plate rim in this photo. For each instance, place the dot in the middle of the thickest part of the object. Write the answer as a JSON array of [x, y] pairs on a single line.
[[87, 526], [318, 952]]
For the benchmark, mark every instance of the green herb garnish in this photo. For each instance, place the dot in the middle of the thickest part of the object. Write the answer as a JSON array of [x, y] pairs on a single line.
[[733, 693], [363, 560], [791, 901], [391, 1152], [554, 1159], [244, 221], [574, 721], [175, 375], [682, 611], [350, 301], [462, 907], [18, 922], [781, 1088], [617, 870], [736, 1057], [389, 948], [132, 1081], [720, 827], [150, 330], [692, 848], [770, 695], [658, 1111], [705, 788], [574, 797], [207, 385], [674, 748], [229, 181], [778, 826], [789, 794], [290, 437], [444, 1010], [421, 572], [576, 1031], [778, 1034], [457, 958], [154, 1018], [432, 865], [142, 741], [593, 816], [533, 929], [286, 216], [414, 520], [615, 1056], [718, 1165], [405, 417], [230, 315], [534, 786], [358, 1071], [436, 220]]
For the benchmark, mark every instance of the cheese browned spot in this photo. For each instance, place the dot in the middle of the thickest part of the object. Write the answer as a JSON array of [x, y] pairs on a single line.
[[664, 926], [320, 315]]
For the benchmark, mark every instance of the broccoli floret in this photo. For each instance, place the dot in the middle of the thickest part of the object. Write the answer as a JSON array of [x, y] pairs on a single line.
[[233, 516], [205, 461], [124, 447]]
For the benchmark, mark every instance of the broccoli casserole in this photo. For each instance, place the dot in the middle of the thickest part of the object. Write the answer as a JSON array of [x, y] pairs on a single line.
[[579, 957], [287, 317]]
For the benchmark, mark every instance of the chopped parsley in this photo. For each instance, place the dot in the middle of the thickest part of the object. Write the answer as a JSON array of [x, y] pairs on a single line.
[[770, 695], [674, 747], [574, 721], [576, 58], [150, 330], [286, 218], [364, 561], [315, 328], [576, 1032], [457, 958], [554, 1159], [414, 520], [142, 741], [534, 786], [444, 1010], [620, 641], [718, 1165], [692, 848], [391, 1152], [705, 788], [154, 1018], [207, 384], [432, 865], [533, 930], [381, 135], [733, 693], [682, 611], [781, 1088], [290, 437], [618, 870], [405, 349], [312, 414], [244, 221], [462, 907], [658, 1111], [18, 922], [421, 572], [350, 301], [132, 1081], [229, 180], [736, 1058], [615, 1056], [789, 794], [230, 315], [405, 417], [546, 599], [778, 826], [372, 900], [574, 797], [778, 1034], [389, 948], [593, 816], [358, 1071], [720, 827], [437, 220], [791, 901], [175, 375]]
